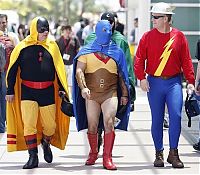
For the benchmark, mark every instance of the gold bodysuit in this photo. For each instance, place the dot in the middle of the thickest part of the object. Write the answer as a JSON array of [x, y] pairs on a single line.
[[101, 77]]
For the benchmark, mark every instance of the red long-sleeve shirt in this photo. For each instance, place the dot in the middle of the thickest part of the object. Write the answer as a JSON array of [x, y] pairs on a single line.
[[155, 46]]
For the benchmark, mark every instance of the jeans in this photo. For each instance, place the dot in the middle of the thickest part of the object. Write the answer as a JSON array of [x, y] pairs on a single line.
[[2, 101]]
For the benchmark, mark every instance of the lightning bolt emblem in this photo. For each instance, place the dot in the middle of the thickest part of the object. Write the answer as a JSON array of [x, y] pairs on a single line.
[[165, 56]]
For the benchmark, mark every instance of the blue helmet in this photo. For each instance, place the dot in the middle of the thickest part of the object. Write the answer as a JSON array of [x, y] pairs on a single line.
[[103, 32]]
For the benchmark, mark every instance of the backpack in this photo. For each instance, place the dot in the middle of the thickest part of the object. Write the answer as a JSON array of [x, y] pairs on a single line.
[[192, 107]]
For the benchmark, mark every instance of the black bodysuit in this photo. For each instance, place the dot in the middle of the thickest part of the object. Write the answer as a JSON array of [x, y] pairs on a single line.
[[36, 64]]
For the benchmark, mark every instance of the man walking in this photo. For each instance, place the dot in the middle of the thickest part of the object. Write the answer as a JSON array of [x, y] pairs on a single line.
[[163, 54]]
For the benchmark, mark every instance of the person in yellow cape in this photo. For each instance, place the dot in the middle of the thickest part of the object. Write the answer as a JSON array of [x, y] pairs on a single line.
[[35, 77]]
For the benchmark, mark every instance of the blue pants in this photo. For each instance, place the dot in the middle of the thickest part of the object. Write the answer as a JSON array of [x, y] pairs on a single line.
[[163, 92], [2, 101]]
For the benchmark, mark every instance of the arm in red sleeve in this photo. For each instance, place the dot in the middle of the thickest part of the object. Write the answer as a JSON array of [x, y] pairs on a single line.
[[139, 64], [188, 69]]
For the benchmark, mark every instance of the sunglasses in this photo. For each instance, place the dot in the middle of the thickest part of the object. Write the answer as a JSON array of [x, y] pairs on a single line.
[[157, 17], [43, 29]]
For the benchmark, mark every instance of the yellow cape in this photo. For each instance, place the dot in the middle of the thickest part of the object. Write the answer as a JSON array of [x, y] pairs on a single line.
[[13, 111]]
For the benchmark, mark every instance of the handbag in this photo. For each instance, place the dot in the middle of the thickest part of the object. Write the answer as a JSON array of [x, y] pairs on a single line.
[[66, 106], [192, 107]]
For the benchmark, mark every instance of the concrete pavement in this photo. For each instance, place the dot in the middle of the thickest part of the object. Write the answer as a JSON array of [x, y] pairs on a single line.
[[133, 151]]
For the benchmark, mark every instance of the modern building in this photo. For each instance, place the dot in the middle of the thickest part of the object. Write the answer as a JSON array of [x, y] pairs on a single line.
[[187, 18]]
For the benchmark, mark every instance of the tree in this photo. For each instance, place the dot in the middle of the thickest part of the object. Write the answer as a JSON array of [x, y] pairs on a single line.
[[54, 9]]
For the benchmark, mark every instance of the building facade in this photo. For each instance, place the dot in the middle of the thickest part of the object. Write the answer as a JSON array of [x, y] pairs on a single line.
[[186, 19]]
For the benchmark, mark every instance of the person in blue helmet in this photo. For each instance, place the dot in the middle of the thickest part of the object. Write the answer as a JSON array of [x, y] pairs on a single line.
[[121, 42], [100, 83]]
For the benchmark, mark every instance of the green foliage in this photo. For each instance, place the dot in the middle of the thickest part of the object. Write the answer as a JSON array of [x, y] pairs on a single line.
[[54, 9]]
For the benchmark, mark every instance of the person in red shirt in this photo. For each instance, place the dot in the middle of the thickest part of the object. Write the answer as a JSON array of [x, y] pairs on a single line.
[[164, 55]]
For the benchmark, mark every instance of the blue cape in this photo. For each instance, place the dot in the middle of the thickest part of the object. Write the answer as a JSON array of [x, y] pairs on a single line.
[[118, 56]]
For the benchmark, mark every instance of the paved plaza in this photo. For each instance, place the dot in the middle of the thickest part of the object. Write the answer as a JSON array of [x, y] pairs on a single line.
[[133, 150]]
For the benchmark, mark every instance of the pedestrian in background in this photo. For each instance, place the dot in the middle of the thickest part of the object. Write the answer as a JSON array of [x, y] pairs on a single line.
[[164, 55], [79, 33], [21, 30], [69, 47], [134, 38], [88, 29], [196, 146], [8, 41], [118, 25]]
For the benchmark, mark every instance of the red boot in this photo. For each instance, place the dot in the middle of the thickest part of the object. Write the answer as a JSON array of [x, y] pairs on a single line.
[[93, 155], [107, 152]]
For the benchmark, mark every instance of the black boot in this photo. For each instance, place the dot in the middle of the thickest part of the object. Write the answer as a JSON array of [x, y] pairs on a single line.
[[31, 142], [100, 140], [33, 159], [48, 157]]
